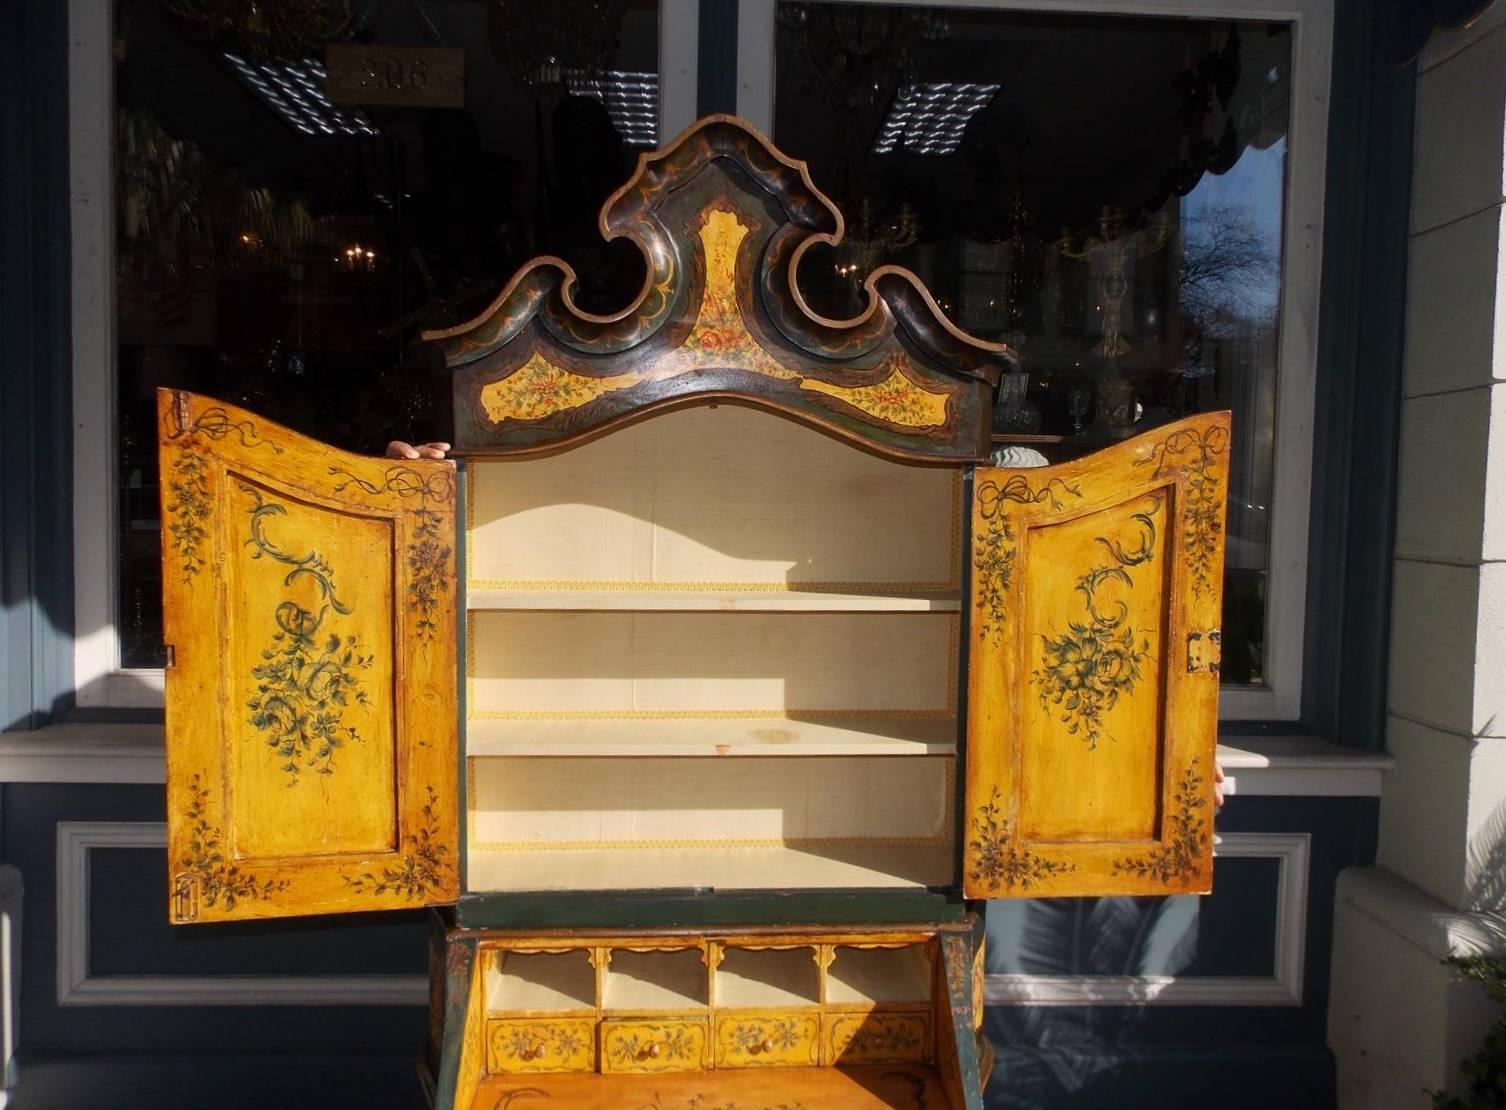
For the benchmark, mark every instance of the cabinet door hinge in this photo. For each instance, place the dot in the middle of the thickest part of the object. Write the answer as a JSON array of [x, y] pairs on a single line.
[[185, 898], [1204, 651]]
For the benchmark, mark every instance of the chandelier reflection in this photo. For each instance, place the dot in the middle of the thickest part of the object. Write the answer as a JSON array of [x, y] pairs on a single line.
[[285, 28]]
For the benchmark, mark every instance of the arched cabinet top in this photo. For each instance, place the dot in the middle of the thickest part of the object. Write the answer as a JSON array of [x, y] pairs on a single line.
[[722, 219]]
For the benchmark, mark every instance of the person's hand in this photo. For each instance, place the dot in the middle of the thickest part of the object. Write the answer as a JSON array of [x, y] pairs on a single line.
[[1218, 785], [397, 449]]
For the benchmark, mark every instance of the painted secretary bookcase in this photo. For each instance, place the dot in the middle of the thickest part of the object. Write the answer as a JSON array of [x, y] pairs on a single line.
[[708, 685]]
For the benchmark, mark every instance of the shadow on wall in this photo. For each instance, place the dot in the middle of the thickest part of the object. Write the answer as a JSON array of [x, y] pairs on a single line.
[[1058, 1057], [1486, 875]]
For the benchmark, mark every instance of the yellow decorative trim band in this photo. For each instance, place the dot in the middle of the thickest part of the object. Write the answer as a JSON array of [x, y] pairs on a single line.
[[635, 586], [648, 845]]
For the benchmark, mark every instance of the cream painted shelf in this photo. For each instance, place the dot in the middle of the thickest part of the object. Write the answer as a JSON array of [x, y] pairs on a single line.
[[658, 601], [541, 981], [852, 864], [777, 736]]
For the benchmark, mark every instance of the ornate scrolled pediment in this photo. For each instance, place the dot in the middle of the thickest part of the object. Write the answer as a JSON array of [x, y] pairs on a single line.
[[722, 220]]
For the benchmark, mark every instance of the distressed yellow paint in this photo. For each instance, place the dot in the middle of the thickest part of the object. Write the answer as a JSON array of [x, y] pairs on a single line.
[[310, 605], [719, 338], [1090, 737], [538, 389]]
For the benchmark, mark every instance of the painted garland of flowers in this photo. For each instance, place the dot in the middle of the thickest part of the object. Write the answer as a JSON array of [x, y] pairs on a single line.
[[675, 1042], [428, 556], [993, 548], [1204, 500], [998, 862], [522, 1042], [1085, 670], [1178, 856], [219, 880], [782, 1034], [420, 871], [879, 1036], [308, 677], [189, 507], [189, 510]]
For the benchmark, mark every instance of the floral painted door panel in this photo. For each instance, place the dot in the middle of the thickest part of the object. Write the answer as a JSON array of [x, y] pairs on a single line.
[[1093, 672], [310, 615]]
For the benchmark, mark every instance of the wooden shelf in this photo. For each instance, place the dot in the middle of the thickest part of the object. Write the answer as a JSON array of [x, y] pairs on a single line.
[[847, 865], [650, 600], [640, 981], [542, 981], [782, 977], [757, 736]]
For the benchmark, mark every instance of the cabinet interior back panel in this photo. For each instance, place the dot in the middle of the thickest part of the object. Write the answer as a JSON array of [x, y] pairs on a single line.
[[710, 498], [566, 802], [562, 663]]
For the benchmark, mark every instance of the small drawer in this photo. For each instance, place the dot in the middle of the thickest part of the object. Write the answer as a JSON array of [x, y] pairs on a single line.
[[767, 1040], [558, 1044], [877, 1038], [653, 1045]]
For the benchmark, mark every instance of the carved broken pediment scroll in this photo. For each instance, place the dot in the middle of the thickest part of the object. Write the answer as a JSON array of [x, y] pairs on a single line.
[[722, 220]]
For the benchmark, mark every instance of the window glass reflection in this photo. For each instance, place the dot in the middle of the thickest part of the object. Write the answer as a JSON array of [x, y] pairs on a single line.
[[280, 246], [1106, 194]]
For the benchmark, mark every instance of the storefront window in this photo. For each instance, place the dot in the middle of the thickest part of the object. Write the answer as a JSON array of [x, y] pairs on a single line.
[[1106, 194], [280, 244]]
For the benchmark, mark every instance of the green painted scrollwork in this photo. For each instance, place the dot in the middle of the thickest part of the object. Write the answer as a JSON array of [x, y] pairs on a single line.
[[420, 871], [1177, 857], [1086, 670], [1204, 497], [997, 861], [994, 547], [308, 677], [220, 881], [428, 555]]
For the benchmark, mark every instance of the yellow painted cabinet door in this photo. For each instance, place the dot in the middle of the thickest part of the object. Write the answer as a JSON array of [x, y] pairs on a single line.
[[309, 616], [1094, 657]]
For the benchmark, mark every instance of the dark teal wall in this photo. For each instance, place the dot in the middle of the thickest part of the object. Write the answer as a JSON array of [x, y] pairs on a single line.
[[1359, 374], [716, 59], [36, 582], [1057, 1058]]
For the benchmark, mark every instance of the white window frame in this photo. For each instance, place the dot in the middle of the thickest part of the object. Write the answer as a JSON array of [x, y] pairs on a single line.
[[1302, 263], [99, 678]]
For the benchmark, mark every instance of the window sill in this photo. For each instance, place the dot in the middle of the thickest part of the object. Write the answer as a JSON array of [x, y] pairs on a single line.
[[1270, 766]]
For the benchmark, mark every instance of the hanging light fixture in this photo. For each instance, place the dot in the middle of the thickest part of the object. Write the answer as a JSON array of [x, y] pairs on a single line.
[[860, 54], [541, 42], [270, 28]]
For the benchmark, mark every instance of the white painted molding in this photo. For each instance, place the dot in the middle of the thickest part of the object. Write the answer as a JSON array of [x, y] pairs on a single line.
[[112, 753], [77, 840], [1282, 988], [91, 204], [1300, 766], [756, 28], [679, 65], [1410, 912], [11, 900]]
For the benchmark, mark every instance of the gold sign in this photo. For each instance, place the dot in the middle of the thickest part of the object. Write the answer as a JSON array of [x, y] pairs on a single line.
[[408, 76]]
